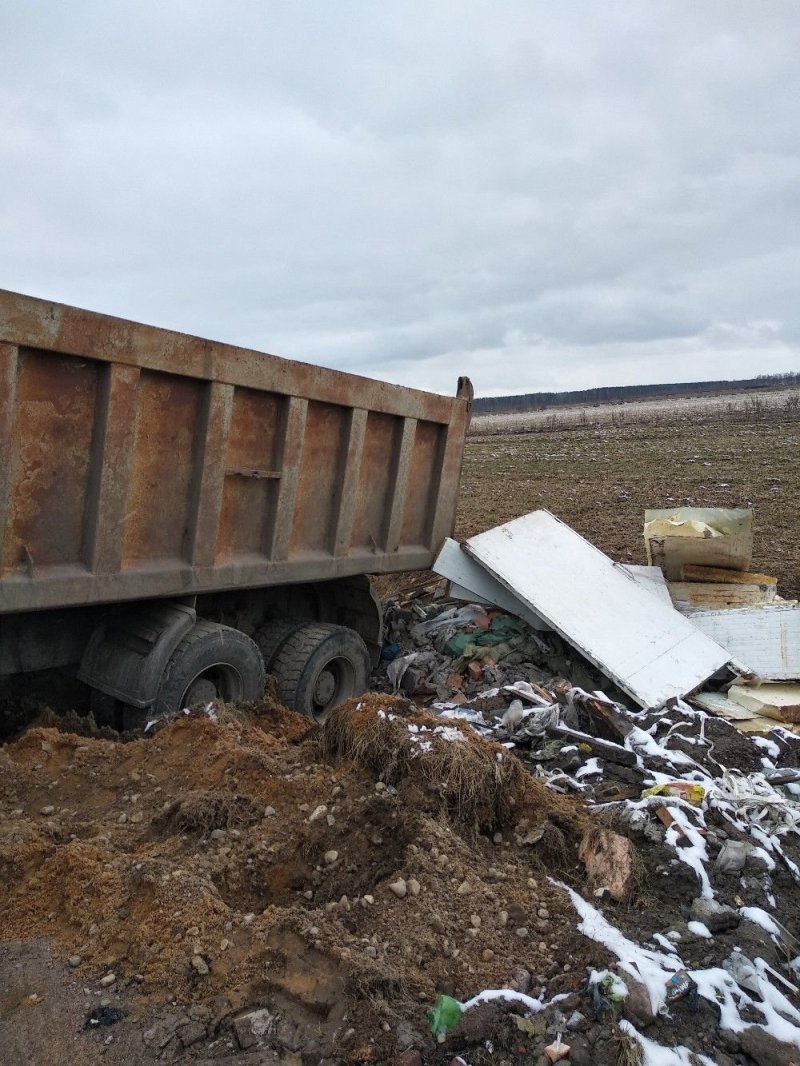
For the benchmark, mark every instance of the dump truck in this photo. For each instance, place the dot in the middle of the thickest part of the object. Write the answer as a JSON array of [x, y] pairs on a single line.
[[179, 517]]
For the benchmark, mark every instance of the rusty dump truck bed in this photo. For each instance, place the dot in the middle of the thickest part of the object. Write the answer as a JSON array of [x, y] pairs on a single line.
[[136, 462]]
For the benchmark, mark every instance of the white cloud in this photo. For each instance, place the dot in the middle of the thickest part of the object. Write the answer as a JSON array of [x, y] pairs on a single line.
[[544, 196]]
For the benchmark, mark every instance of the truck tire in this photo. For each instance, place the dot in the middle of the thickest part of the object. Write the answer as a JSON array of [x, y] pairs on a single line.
[[321, 666], [271, 637], [106, 710], [211, 662]]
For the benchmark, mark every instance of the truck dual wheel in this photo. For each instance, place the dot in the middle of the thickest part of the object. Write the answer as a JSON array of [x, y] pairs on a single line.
[[320, 666], [211, 662], [271, 637]]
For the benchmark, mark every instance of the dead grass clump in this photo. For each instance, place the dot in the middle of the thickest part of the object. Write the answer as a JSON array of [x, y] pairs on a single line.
[[553, 848], [270, 716], [81, 725], [204, 810], [477, 781], [630, 1051]]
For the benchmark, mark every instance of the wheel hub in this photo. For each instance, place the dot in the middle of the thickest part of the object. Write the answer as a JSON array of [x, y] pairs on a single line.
[[202, 690], [324, 688]]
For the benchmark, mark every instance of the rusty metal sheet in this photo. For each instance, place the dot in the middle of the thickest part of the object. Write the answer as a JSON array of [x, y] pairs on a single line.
[[143, 463], [50, 465]]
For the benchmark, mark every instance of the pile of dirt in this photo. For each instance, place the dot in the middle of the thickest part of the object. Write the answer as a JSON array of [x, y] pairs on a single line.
[[248, 887], [250, 860]]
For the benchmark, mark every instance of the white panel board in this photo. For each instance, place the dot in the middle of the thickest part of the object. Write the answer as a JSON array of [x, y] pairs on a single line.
[[650, 578], [468, 576], [647, 648], [767, 639]]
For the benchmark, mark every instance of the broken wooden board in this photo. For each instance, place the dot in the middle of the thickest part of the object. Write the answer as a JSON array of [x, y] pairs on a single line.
[[704, 536], [771, 699], [715, 596], [466, 576], [644, 646], [720, 576], [766, 639], [650, 578]]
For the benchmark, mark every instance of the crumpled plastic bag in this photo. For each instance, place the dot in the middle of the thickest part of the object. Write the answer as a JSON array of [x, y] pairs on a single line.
[[444, 1015], [537, 723], [694, 794]]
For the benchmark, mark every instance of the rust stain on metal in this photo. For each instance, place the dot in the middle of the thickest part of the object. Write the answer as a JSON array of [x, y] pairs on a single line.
[[50, 455]]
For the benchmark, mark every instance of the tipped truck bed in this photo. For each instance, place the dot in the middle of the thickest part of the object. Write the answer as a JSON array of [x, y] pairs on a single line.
[[140, 463]]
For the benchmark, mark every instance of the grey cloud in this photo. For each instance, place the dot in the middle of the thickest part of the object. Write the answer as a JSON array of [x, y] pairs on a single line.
[[544, 195]]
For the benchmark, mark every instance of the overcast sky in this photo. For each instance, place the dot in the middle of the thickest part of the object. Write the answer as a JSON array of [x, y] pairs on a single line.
[[542, 195]]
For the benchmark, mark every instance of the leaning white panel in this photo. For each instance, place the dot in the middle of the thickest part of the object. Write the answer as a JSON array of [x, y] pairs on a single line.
[[650, 578], [467, 576], [647, 648]]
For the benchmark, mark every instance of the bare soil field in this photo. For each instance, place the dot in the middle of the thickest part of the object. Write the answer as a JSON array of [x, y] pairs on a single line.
[[600, 479]]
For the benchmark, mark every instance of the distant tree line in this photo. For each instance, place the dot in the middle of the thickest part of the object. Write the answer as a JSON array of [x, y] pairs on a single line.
[[539, 401]]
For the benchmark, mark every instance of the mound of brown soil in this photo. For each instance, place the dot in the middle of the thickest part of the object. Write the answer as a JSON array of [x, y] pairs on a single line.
[[345, 876]]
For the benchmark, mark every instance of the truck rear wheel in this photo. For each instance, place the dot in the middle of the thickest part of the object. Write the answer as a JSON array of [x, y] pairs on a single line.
[[271, 637], [211, 662], [321, 666]]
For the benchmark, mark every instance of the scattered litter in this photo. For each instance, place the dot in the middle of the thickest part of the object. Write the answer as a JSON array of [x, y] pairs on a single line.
[[102, 1016]]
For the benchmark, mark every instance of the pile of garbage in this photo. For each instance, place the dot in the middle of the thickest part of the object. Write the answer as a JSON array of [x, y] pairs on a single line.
[[505, 853], [700, 827]]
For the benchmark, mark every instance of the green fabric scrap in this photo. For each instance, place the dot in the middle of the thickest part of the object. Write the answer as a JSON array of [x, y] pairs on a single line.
[[501, 631]]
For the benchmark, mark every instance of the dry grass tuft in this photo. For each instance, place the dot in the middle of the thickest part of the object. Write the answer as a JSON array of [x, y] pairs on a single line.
[[630, 1051], [553, 848], [478, 782], [202, 811]]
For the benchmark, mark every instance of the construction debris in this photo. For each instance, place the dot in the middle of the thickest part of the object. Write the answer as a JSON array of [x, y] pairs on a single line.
[[494, 857], [766, 638], [699, 536], [770, 699], [643, 646], [715, 595]]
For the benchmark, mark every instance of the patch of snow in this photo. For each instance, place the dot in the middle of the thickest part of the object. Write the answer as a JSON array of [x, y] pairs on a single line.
[[533, 1005], [769, 746], [663, 941], [447, 732], [695, 854], [654, 1054], [591, 766], [699, 929], [760, 917], [638, 741]]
